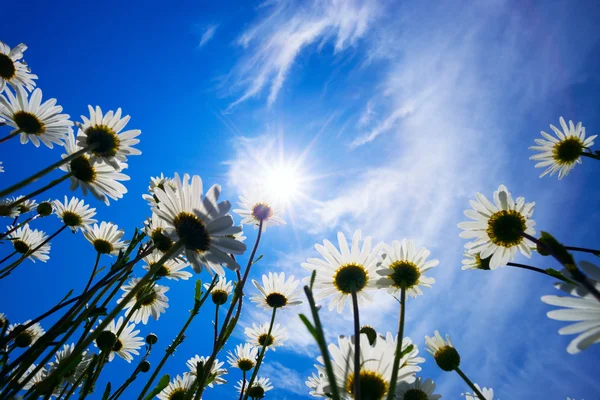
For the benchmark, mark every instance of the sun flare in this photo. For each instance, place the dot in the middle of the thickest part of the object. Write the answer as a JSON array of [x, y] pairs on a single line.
[[282, 183]]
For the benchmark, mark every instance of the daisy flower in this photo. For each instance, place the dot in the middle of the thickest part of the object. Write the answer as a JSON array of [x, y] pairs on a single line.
[[13, 71], [497, 228], [403, 266], [343, 271], [150, 301], [445, 355], [27, 337], [105, 238], [74, 373], [75, 213], [45, 208], [561, 153], [260, 386], [221, 291], [216, 372], [417, 390], [25, 206], [376, 367], [38, 378], [256, 209], [243, 357], [173, 268], [581, 307], [26, 241], [33, 120], [474, 261], [155, 228], [276, 292], [102, 180], [259, 336], [157, 182], [410, 361], [102, 133], [488, 393], [125, 345], [177, 388], [201, 223], [316, 382], [7, 209]]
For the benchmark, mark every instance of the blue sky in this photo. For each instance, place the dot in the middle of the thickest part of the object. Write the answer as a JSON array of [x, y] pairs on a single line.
[[397, 112]]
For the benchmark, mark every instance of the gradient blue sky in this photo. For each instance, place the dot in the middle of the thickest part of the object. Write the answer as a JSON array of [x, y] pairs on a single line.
[[397, 111]]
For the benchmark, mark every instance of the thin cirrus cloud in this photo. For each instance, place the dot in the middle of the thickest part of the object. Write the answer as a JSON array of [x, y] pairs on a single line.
[[442, 120], [276, 40], [207, 34]]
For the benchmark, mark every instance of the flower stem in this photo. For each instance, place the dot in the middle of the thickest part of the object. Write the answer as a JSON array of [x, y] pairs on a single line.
[[238, 293], [590, 155], [93, 273], [243, 384], [261, 355], [42, 189], [59, 371], [10, 135], [14, 228], [43, 172], [7, 271], [392, 389], [573, 270], [178, 339], [320, 338], [356, 346], [8, 256], [471, 385], [216, 323], [583, 250]]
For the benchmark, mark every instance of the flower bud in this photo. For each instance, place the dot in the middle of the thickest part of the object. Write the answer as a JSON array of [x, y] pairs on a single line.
[[447, 358], [144, 366], [151, 339], [44, 208]]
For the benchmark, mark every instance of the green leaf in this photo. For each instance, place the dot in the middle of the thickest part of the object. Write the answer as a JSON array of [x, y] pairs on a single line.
[[162, 384], [106, 392], [198, 292], [66, 296], [309, 326], [230, 328], [97, 312], [550, 243], [257, 259], [407, 350], [556, 274], [313, 276]]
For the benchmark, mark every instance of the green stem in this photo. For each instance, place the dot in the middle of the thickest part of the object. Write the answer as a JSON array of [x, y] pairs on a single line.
[[243, 384], [471, 385], [335, 395], [238, 293], [93, 273], [356, 346], [573, 270], [58, 372], [43, 172], [392, 388], [261, 355], [14, 228], [8, 256], [178, 339], [10, 135], [583, 250], [590, 155], [529, 267], [42, 189], [8, 270]]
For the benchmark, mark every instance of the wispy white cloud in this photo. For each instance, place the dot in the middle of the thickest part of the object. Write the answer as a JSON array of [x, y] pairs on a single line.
[[284, 378], [208, 34], [274, 43]]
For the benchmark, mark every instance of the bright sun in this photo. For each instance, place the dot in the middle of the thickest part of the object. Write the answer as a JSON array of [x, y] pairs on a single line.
[[282, 183]]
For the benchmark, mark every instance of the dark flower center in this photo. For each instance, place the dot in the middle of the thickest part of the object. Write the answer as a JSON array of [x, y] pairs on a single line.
[[415, 394], [21, 246], [44, 209], [177, 394], [102, 246], [505, 228], [266, 340], [82, 169], [29, 123], [219, 297], [146, 297], [483, 263], [372, 386], [262, 211], [118, 345], [405, 274], [245, 364], [23, 208], [7, 67], [162, 270], [370, 332], [256, 392], [24, 339], [350, 278], [71, 219], [104, 140], [107, 341], [567, 151], [162, 242], [276, 300], [447, 358], [192, 231]]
